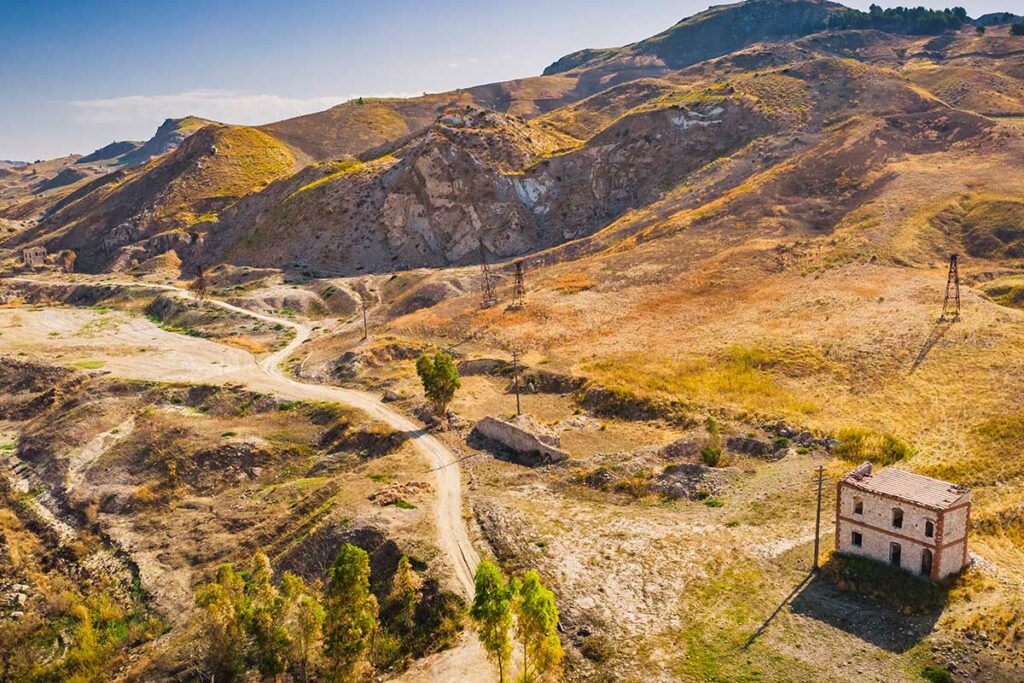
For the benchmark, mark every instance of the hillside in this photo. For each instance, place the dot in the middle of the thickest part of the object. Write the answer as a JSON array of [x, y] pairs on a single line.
[[734, 237], [128, 216]]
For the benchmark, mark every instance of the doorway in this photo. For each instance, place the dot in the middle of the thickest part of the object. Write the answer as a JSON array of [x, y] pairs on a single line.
[[926, 562], [895, 551]]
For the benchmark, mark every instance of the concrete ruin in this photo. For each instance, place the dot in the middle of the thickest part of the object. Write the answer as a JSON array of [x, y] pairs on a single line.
[[531, 444], [34, 257]]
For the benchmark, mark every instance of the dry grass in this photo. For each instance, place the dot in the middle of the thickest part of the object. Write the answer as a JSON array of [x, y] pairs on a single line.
[[248, 343], [737, 379], [571, 283]]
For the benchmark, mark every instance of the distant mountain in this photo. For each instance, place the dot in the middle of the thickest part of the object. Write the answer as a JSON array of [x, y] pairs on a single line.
[[712, 33], [532, 163], [168, 136], [111, 151], [6, 163], [998, 18]]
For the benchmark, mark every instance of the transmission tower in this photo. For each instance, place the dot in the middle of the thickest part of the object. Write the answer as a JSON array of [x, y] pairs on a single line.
[[487, 296], [518, 289], [951, 304]]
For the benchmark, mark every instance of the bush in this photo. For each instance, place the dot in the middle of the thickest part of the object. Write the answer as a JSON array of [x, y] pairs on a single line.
[[711, 456], [597, 649], [637, 487], [933, 675], [858, 445]]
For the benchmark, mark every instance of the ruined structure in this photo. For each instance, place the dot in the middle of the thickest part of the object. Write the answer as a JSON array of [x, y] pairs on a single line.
[[34, 257], [531, 443], [904, 519]]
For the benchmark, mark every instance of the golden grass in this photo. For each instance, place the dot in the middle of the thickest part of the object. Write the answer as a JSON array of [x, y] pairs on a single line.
[[571, 283], [736, 379], [335, 171], [248, 343]]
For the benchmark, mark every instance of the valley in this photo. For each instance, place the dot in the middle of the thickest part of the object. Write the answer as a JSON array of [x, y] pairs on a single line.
[[734, 247]]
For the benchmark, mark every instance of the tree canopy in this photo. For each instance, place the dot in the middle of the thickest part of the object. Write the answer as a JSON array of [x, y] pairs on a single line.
[[440, 380], [909, 20], [492, 612]]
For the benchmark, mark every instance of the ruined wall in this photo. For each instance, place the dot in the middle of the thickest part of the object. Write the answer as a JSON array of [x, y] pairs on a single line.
[[519, 439]]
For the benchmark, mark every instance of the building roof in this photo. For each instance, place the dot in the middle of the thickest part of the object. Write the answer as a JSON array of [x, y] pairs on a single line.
[[907, 486]]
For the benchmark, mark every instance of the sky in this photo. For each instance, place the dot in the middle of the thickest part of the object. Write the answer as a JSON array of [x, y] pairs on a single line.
[[78, 74]]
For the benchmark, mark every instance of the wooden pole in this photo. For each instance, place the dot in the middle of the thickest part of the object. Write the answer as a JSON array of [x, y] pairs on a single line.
[[366, 330], [817, 520], [515, 379]]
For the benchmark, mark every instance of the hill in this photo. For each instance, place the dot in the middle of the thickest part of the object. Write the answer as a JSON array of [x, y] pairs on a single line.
[[734, 238], [129, 216]]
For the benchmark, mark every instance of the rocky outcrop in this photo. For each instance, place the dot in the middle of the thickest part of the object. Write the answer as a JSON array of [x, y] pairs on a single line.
[[529, 442]]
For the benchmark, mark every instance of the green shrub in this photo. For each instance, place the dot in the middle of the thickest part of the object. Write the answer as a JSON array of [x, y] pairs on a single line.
[[934, 675], [711, 456], [714, 502], [858, 445], [637, 487]]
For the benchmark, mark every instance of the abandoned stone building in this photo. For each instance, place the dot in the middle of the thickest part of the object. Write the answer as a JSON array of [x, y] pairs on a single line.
[[904, 519], [34, 257]]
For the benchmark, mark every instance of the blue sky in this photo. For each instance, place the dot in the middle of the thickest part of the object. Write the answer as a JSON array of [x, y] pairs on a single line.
[[78, 74]]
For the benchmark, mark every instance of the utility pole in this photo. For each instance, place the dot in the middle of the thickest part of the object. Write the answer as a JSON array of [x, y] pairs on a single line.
[[817, 519], [487, 296], [518, 290], [515, 379], [199, 285], [951, 304], [366, 330]]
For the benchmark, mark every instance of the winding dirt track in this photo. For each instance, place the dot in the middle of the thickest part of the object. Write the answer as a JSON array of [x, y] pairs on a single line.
[[468, 662], [451, 528], [267, 377]]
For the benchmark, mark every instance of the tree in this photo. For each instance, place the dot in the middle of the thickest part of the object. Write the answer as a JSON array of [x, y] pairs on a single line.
[[350, 614], [67, 260], [403, 596], [304, 620], [440, 380], [536, 628], [1017, 29], [492, 613], [264, 619], [223, 605], [198, 287]]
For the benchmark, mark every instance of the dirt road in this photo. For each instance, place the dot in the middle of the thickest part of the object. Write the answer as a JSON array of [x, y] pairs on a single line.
[[134, 348]]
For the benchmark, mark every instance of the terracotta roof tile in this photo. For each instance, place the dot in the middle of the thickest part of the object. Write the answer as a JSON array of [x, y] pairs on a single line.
[[908, 486]]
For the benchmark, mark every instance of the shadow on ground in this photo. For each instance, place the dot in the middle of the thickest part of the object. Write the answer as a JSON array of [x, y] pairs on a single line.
[[867, 619]]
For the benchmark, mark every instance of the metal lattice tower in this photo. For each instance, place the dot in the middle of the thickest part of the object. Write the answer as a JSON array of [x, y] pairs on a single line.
[[488, 297], [951, 304], [518, 289]]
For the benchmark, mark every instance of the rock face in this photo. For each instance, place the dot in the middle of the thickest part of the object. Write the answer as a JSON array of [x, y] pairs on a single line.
[[531, 443]]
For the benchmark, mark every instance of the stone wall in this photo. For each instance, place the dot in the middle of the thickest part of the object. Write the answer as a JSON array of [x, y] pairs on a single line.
[[877, 532], [532, 444]]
